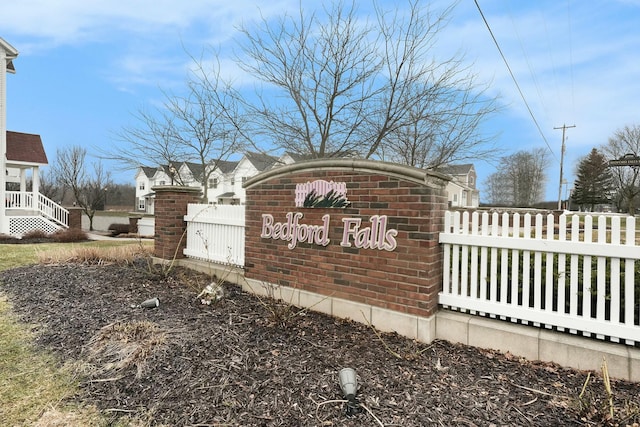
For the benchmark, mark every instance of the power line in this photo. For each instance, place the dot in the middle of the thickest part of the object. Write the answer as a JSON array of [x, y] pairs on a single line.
[[495, 41]]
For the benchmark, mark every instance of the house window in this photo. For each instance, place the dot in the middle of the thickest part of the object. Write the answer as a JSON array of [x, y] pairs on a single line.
[[233, 181], [141, 186], [244, 179], [163, 182], [213, 182], [141, 203]]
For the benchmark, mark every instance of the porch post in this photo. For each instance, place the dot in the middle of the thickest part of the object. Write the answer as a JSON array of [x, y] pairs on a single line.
[[7, 54], [4, 223], [35, 186]]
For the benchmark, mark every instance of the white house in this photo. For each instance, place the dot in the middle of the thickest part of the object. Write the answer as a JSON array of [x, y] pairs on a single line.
[[223, 186], [145, 178], [462, 192], [250, 165], [225, 182], [21, 156]]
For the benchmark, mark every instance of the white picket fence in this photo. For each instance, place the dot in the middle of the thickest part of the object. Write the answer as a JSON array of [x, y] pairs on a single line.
[[216, 233], [579, 276]]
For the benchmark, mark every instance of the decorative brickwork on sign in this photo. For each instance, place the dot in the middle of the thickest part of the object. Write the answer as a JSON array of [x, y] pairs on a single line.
[[170, 227], [381, 249]]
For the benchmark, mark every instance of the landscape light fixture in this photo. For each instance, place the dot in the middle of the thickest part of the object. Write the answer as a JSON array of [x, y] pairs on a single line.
[[349, 386]]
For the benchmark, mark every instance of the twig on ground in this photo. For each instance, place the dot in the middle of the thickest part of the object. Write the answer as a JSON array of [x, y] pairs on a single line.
[[375, 331], [318, 405], [533, 390]]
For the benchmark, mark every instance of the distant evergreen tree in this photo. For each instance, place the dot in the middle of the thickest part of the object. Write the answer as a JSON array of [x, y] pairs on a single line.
[[594, 182]]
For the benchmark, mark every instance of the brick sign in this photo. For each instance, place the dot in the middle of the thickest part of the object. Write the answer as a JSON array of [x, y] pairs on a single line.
[[368, 232]]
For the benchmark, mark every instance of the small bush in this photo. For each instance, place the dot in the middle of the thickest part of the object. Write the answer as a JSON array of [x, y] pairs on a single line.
[[116, 229], [35, 234], [70, 235], [5, 238]]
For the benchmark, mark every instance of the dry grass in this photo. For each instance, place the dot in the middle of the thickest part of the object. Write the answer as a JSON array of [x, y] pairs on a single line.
[[30, 381], [34, 387], [25, 254], [54, 417], [94, 255], [121, 345]]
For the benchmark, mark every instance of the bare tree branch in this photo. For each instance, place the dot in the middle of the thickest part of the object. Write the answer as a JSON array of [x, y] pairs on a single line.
[[336, 83], [70, 170], [202, 127]]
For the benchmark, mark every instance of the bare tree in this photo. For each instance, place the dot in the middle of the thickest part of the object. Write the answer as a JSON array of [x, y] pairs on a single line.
[[152, 139], [71, 172], [626, 179], [497, 189], [49, 186], [445, 130], [200, 127], [520, 178], [334, 83]]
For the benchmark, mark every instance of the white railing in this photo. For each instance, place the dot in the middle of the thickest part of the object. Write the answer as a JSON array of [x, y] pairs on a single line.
[[50, 209], [582, 277], [216, 233], [18, 200]]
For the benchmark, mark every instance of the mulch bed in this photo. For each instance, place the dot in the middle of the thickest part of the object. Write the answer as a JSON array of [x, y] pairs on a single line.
[[245, 361]]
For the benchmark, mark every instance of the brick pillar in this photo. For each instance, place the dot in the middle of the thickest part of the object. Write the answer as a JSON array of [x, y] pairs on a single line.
[[133, 224], [75, 218], [170, 228]]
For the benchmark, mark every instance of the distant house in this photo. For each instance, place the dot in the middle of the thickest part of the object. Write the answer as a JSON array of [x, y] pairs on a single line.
[[250, 165], [145, 179], [225, 182], [223, 186], [462, 192]]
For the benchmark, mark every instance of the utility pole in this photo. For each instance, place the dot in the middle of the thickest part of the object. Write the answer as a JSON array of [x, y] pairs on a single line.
[[564, 128]]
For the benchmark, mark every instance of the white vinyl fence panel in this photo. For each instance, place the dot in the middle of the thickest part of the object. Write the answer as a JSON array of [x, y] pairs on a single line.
[[146, 226], [582, 276], [216, 233]]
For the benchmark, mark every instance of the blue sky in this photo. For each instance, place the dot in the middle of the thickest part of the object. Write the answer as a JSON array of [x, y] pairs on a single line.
[[86, 66]]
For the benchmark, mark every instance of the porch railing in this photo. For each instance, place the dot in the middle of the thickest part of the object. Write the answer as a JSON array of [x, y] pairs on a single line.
[[583, 276], [18, 200]]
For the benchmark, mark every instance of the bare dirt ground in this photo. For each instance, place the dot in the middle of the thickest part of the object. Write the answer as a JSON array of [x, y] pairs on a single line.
[[244, 361]]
